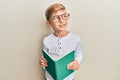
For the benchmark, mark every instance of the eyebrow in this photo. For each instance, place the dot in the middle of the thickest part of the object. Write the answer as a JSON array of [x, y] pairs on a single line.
[[59, 15]]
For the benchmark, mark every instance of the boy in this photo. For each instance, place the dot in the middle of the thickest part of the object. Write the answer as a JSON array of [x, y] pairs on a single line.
[[61, 41]]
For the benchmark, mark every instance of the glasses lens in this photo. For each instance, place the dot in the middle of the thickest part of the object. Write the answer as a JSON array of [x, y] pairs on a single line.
[[54, 18], [65, 16]]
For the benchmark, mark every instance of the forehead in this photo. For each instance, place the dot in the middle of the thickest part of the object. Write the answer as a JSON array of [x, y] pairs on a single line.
[[59, 12]]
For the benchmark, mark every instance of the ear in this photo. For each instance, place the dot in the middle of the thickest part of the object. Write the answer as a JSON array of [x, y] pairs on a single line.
[[48, 23]]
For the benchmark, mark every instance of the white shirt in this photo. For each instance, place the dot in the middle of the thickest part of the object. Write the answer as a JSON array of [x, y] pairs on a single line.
[[59, 46]]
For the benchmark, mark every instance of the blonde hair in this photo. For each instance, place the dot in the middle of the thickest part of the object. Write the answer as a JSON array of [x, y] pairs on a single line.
[[53, 8]]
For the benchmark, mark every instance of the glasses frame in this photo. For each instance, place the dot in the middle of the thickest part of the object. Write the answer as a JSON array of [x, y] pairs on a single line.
[[57, 18]]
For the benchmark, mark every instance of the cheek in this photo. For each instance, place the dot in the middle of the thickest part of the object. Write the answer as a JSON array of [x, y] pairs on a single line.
[[52, 24]]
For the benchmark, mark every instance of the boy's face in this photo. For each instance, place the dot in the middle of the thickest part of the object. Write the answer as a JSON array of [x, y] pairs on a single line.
[[59, 21]]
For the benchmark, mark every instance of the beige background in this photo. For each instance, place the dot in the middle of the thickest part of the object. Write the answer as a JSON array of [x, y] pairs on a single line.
[[22, 28]]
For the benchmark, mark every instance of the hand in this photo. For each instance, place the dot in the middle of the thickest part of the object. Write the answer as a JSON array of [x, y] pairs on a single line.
[[74, 65], [43, 62]]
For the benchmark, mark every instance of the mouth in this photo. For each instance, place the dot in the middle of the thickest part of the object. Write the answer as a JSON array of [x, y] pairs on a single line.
[[62, 25]]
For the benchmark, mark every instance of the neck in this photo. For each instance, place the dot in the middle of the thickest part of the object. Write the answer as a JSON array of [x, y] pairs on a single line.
[[61, 34]]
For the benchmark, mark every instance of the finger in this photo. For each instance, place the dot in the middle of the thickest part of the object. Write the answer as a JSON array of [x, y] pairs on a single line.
[[44, 59], [42, 62], [73, 66], [70, 64]]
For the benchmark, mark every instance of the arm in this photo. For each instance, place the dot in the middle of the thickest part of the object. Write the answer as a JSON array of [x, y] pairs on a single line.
[[42, 60], [75, 65]]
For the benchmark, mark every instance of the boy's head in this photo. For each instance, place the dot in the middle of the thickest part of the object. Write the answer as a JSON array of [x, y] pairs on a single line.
[[57, 17], [53, 9]]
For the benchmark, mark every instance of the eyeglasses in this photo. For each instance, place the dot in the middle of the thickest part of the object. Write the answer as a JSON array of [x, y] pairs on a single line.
[[58, 17]]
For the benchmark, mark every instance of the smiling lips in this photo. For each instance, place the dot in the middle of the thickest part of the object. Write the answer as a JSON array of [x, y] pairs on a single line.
[[62, 25]]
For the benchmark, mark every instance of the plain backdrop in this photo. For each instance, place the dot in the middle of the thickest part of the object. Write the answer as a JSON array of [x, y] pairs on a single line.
[[22, 28]]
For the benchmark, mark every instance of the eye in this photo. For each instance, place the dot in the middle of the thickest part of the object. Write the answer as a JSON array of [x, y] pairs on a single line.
[[66, 15], [56, 17]]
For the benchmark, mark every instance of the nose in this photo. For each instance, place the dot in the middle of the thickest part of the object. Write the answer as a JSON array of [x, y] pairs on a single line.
[[61, 19]]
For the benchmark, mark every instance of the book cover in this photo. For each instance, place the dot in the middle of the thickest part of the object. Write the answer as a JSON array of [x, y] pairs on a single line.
[[58, 68]]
